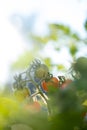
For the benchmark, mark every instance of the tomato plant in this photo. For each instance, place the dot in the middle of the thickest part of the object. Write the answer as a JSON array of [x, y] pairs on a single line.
[[40, 98]]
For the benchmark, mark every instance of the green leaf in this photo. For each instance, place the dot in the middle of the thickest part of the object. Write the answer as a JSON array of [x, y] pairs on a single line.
[[60, 67], [73, 49], [47, 61], [63, 28], [40, 39], [75, 36]]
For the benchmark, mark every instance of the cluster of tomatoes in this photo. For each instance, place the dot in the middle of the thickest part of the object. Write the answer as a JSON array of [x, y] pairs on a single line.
[[37, 78], [46, 86], [55, 82]]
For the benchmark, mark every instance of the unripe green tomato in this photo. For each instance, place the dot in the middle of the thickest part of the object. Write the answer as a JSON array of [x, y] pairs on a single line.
[[42, 71], [22, 94]]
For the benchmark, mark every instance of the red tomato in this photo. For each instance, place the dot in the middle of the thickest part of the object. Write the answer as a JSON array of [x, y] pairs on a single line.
[[55, 82], [34, 107], [66, 83], [37, 106], [52, 82], [44, 86]]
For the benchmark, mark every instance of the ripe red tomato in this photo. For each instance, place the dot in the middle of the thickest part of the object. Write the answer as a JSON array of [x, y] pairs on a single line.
[[54, 82], [44, 86], [34, 107], [66, 83]]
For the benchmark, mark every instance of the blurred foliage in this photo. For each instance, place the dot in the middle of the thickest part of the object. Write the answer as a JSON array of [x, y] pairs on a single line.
[[85, 25], [56, 33], [61, 67], [73, 49], [24, 60], [59, 36]]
